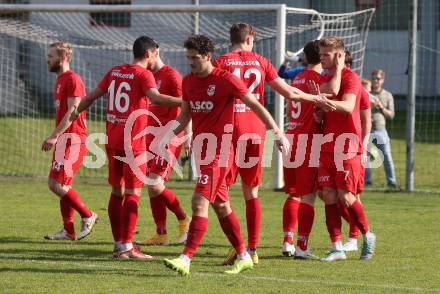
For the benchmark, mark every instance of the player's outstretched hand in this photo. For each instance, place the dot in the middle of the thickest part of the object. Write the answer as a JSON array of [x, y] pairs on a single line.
[[324, 103], [48, 143], [313, 87], [283, 143]]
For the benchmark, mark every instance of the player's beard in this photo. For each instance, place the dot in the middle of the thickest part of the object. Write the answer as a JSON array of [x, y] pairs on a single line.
[[54, 67]]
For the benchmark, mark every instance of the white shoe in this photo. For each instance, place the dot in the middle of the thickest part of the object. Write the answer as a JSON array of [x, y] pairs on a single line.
[[334, 255], [350, 246], [288, 249], [61, 235], [304, 254], [87, 225]]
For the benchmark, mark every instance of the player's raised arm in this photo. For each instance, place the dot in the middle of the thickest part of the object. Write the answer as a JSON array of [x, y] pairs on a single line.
[[334, 84], [292, 93], [250, 100], [89, 99], [161, 99]]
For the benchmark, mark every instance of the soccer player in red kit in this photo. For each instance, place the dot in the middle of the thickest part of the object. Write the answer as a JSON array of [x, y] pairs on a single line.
[[249, 131], [128, 87], [208, 99], [69, 89], [340, 159], [300, 179], [365, 114], [168, 82]]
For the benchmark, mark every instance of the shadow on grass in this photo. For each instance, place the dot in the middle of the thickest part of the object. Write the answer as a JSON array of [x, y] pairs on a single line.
[[85, 271], [18, 240]]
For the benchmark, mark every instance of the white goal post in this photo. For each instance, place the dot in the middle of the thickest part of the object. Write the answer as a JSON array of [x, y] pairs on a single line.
[[98, 45]]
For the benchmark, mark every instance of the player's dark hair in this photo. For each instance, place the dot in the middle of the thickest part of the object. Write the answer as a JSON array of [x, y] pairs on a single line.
[[311, 52], [348, 58], [239, 32], [142, 44], [202, 44]]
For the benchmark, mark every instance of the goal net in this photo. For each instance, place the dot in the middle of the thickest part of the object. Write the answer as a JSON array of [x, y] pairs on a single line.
[[102, 36]]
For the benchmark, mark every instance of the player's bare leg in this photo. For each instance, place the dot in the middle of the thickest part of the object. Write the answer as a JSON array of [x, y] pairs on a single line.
[[70, 201]]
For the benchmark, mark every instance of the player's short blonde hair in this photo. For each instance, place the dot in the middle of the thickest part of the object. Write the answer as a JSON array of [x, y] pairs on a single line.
[[366, 82], [332, 42], [63, 49]]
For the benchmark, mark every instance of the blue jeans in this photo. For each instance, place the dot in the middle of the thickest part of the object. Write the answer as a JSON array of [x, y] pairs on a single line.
[[381, 140]]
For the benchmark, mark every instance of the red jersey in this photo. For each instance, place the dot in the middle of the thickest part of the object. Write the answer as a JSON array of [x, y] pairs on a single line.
[[169, 82], [211, 103], [254, 70], [341, 123], [364, 99], [126, 86], [69, 84], [300, 114]]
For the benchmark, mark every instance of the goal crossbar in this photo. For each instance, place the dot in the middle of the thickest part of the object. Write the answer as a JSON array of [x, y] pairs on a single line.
[[16, 8]]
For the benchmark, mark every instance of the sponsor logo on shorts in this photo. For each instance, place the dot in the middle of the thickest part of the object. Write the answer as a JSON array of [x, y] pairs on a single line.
[[323, 178]]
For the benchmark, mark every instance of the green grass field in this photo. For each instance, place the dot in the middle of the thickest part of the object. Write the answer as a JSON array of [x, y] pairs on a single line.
[[407, 258]]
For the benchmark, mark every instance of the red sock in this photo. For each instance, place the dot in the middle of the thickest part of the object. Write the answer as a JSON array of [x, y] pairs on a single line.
[[231, 228], [306, 216], [197, 229], [173, 203], [77, 204], [333, 221], [129, 217], [67, 212], [354, 230], [253, 221], [115, 215], [357, 214], [159, 212], [290, 218]]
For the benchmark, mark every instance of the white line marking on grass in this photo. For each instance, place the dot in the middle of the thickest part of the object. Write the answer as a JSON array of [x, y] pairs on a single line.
[[328, 283], [252, 278]]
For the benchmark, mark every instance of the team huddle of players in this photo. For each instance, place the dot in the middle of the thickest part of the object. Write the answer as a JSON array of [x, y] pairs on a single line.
[[220, 105]]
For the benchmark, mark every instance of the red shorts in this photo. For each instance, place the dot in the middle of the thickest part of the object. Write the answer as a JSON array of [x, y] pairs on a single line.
[[160, 166], [246, 160], [360, 186], [345, 179], [60, 172], [301, 180], [121, 173], [212, 182]]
